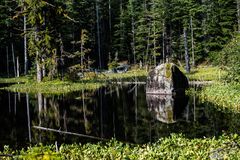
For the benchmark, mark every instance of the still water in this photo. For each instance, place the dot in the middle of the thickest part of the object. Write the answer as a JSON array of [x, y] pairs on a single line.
[[125, 113]]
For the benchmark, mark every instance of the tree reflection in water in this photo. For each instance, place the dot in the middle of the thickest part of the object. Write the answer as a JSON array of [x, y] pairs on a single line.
[[122, 112]]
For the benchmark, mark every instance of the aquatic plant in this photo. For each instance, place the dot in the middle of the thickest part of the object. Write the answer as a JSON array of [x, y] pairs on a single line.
[[174, 147]]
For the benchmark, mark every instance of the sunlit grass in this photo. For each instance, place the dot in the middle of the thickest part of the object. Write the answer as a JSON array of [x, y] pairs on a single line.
[[26, 84], [22, 79], [94, 81], [131, 75], [54, 87], [206, 73], [223, 95]]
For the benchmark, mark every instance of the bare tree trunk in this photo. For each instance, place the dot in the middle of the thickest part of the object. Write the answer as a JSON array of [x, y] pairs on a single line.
[[25, 44], [61, 56], [163, 43], [98, 34], [148, 44], [43, 68], [17, 67], [81, 48], [13, 57], [192, 37], [38, 65], [133, 33], [186, 50], [39, 69], [154, 44], [7, 61], [110, 29]]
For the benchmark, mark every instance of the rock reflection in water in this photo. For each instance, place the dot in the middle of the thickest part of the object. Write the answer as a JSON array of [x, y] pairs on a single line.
[[167, 108]]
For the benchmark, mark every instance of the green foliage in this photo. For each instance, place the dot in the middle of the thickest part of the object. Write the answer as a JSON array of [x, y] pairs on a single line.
[[174, 147], [229, 58]]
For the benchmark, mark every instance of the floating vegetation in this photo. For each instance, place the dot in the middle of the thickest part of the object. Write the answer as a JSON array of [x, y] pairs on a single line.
[[174, 147]]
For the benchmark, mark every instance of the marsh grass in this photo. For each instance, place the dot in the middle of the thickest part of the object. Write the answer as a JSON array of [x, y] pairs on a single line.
[[224, 95], [174, 147], [54, 87], [206, 73]]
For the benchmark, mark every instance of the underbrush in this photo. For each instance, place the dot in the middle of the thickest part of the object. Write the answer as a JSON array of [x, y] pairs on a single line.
[[173, 147]]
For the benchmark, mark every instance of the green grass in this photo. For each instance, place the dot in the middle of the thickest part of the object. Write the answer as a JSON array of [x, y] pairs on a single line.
[[173, 147], [54, 87], [92, 81], [139, 74], [23, 79], [57, 86], [206, 73], [223, 95]]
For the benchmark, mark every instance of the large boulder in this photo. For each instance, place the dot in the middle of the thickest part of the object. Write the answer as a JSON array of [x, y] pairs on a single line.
[[166, 79]]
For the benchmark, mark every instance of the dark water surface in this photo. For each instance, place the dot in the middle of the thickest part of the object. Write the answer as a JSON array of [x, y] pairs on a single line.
[[122, 112]]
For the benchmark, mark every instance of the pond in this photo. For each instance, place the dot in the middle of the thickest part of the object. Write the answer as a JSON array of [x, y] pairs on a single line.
[[124, 112]]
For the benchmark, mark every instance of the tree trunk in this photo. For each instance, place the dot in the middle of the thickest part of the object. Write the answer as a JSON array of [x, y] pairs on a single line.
[[163, 43], [13, 57], [7, 61], [39, 69], [186, 50], [148, 44], [43, 68], [38, 60], [192, 39], [81, 49], [154, 43], [98, 35], [17, 67], [110, 29], [133, 33], [25, 44]]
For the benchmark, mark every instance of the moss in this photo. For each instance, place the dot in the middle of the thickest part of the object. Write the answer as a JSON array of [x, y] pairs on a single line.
[[168, 68]]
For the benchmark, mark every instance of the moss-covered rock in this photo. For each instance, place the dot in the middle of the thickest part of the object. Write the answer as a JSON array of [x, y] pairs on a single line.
[[166, 79]]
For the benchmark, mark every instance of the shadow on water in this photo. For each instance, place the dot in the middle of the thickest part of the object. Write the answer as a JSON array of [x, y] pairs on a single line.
[[122, 112]]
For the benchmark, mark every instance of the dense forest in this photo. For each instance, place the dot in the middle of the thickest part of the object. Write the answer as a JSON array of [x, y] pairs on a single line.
[[54, 37]]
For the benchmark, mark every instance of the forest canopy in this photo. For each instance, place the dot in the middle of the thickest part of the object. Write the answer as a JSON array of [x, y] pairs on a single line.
[[55, 36]]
